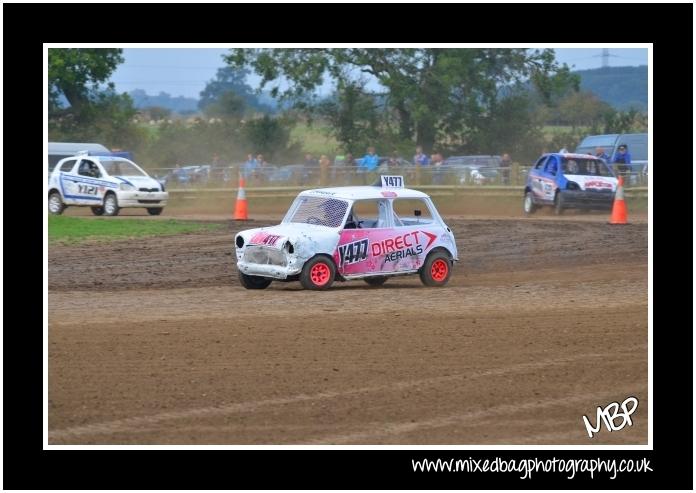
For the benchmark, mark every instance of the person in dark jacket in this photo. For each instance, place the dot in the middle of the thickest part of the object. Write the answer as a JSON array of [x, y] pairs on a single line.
[[623, 158]]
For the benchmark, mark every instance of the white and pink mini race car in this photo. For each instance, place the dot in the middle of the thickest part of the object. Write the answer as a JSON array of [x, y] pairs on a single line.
[[345, 233]]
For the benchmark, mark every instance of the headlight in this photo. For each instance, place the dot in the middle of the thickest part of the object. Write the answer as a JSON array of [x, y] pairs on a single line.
[[126, 187], [289, 247], [239, 241]]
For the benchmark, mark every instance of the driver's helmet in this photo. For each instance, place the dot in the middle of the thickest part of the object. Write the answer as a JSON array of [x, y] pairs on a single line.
[[572, 166]]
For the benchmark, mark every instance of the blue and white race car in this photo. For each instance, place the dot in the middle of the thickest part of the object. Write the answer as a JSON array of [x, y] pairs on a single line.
[[104, 183], [567, 181]]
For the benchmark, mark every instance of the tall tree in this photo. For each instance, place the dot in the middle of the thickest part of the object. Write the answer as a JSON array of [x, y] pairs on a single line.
[[430, 89], [78, 73], [230, 81]]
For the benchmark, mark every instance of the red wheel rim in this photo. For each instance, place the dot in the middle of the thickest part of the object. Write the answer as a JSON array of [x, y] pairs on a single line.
[[320, 274], [439, 269]]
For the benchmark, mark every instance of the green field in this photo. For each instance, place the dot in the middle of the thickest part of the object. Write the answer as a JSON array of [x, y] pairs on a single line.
[[62, 229], [315, 139]]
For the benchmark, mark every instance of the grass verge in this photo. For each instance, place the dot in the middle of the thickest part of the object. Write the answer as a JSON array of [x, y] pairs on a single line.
[[62, 229]]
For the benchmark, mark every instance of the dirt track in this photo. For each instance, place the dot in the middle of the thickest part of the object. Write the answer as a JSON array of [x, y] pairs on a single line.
[[154, 341]]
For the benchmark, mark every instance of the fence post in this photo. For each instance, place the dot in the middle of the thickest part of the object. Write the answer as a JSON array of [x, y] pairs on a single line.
[[515, 174]]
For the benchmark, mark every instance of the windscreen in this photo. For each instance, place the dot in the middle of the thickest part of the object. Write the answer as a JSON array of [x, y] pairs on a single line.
[[120, 167], [588, 167], [318, 210]]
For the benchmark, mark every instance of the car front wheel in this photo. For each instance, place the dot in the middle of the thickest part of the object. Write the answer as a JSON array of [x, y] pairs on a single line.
[[111, 207], [318, 273], [436, 270], [55, 203], [254, 282], [528, 205]]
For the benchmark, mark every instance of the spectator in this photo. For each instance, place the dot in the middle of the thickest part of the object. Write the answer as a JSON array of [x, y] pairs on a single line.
[[310, 161], [420, 159], [505, 161], [623, 158], [599, 152], [250, 166], [371, 160], [437, 160], [506, 165], [350, 160], [394, 160], [324, 164]]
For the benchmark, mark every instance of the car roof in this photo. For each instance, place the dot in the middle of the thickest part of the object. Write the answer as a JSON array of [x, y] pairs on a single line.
[[571, 155], [363, 192], [93, 157]]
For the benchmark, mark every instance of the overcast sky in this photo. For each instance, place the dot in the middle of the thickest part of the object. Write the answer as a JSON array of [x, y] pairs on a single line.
[[185, 71]]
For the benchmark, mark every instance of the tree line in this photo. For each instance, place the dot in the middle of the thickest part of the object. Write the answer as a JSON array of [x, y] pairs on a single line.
[[452, 101]]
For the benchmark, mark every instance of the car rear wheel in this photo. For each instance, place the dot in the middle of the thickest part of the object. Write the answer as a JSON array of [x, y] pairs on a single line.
[[528, 205], [97, 211], [111, 207], [254, 282], [376, 280], [154, 211], [436, 270], [55, 203], [318, 273]]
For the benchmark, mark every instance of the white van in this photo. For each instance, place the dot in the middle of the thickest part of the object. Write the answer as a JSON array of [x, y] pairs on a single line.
[[637, 146], [61, 150]]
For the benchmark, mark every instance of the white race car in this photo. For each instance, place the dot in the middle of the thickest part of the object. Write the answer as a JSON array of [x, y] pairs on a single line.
[[104, 183], [345, 233]]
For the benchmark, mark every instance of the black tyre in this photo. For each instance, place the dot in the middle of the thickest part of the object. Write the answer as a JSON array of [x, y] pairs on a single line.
[[97, 211], [55, 203], [111, 207], [154, 211], [558, 204], [437, 269], [528, 205], [375, 280], [254, 282], [318, 273]]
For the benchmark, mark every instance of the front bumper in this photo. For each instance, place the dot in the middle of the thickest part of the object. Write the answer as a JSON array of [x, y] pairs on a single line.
[[274, 271], [142, 199], [268, 262], [587, 199]]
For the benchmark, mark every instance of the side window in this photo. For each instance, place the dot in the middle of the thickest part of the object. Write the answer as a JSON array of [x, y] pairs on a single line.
[[369, 214], [540, 163], [88, 168], [67, 166], [551, 165], [409, 212]]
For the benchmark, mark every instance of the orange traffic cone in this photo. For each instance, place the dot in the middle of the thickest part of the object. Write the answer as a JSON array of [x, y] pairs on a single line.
[[619, 214], [240, 209]]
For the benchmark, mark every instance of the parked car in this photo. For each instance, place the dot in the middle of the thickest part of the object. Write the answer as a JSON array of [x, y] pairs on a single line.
[[484, 161], [187, 175], [637, 147], [106, 184], [345, 233], [291, 173], [479, 170], [566, 181], [383, 163]]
